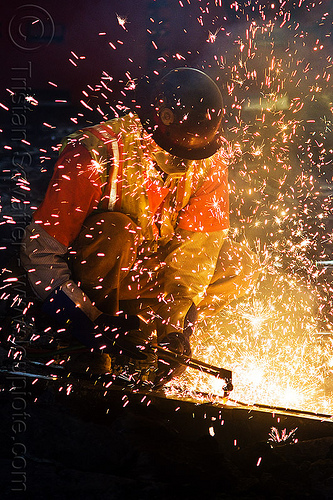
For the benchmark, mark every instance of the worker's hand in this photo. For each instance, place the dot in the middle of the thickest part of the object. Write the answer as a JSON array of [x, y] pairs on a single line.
[[176, 342]]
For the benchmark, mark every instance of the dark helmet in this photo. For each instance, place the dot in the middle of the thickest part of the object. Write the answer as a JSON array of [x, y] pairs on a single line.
[[183, 112]]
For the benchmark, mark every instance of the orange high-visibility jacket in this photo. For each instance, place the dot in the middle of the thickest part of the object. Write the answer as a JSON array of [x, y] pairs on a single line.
[[108, 167]]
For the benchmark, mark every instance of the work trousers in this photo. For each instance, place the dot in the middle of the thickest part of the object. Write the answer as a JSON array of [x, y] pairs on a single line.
[[117, 272]]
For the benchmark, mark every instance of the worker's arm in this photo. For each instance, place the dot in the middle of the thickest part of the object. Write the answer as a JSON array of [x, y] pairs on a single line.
[[44, 259], [190, 265]]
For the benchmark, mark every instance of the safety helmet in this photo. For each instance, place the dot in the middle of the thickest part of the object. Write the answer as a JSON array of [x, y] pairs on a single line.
[[183, 113]]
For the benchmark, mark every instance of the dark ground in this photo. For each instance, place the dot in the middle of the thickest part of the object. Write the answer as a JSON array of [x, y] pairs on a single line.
[[90, 446]]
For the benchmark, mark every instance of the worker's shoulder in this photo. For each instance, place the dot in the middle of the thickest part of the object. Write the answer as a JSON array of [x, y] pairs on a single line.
[[116, 126], [104, 132]]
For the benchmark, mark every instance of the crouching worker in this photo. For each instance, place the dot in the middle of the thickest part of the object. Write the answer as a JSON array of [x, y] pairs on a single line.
[[131, 241]]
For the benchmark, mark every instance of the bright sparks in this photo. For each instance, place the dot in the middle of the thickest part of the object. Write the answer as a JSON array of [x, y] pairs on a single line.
[[122, 21], [275, 352]]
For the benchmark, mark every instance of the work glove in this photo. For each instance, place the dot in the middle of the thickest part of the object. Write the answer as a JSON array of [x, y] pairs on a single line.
[[176, 342]]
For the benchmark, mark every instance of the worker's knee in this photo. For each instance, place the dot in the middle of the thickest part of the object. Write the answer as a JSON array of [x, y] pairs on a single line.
[[108, 225], [107, 230], [105, 240]]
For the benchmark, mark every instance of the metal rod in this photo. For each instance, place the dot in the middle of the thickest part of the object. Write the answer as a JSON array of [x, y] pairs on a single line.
[[216, 371]]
